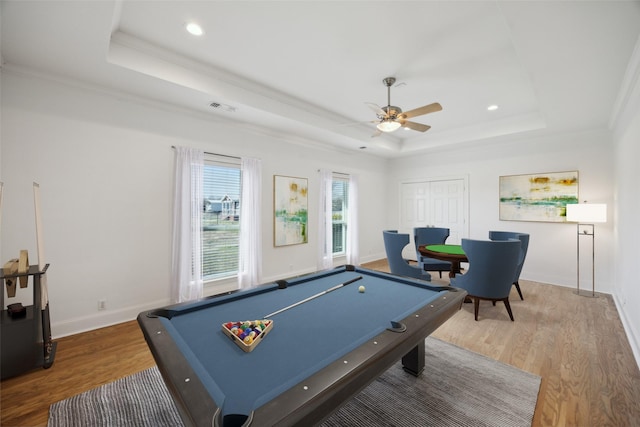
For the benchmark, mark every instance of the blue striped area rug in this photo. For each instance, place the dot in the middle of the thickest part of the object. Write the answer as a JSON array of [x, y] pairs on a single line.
[[457, 388]]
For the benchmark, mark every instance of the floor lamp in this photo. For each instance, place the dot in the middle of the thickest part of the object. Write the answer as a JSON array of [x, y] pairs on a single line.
[[586, 215]]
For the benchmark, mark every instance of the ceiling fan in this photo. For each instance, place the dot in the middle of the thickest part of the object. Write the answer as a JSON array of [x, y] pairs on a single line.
[[392, 118]]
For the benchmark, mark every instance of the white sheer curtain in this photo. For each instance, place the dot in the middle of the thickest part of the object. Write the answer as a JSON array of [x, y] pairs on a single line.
[[250, 258], [353, 249], [325, 238], [186, 254]]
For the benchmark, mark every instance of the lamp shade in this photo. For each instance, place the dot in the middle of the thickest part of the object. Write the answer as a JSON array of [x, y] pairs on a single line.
[[587, 212]]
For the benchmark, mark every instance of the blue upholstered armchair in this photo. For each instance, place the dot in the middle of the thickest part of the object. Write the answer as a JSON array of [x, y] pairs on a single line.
[[492, 265], [394, 243], [524, 245], [431, 236]]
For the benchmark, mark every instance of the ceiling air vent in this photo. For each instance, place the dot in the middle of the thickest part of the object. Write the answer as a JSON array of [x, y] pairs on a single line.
[[223, 107]]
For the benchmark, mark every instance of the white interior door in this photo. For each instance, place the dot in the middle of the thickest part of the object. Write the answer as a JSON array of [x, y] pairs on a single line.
[[414, 205], [433, 203], [447, 208]]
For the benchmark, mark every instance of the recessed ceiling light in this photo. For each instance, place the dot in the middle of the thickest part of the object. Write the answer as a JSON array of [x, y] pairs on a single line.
[[194, 29], [493, 107]]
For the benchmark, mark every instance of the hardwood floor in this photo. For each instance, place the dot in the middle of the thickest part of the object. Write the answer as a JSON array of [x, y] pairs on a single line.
[[82, 362], [576, 344]]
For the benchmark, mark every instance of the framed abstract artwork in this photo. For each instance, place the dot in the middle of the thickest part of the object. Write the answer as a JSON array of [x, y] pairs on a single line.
[[290, 205], [538, 197]]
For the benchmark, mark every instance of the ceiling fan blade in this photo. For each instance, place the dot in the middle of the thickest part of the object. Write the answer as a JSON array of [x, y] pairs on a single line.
[[356, 123], [415, 126], [379, 111], [431, 108]]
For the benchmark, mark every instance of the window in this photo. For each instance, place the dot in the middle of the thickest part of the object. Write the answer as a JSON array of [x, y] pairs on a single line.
[[220, 219], [339, 203]]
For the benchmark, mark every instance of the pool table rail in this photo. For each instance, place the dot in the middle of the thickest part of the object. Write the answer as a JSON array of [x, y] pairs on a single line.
[[191, 397]]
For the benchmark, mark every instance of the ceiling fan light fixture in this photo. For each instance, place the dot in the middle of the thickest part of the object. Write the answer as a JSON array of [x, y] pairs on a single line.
[[388, 125], [392, 118]]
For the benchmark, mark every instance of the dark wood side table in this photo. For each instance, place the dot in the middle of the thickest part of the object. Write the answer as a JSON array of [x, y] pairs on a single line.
[[26, 338]]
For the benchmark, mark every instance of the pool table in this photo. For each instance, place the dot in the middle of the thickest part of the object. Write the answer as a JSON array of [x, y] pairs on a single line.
[[317, 355]]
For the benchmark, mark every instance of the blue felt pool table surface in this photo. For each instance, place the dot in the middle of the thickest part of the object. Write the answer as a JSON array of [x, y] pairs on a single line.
[[305, 339]]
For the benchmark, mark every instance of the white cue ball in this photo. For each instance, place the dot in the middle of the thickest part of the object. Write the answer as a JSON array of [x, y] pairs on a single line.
[[361, 289]]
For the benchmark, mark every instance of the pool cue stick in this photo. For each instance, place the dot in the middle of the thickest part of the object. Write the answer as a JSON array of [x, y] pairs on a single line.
[[319, 294]]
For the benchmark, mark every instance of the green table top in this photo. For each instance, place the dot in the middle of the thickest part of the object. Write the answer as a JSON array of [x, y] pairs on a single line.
[[447, 249]]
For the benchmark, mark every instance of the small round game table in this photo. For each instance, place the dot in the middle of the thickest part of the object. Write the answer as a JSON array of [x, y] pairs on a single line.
[[452, 253]]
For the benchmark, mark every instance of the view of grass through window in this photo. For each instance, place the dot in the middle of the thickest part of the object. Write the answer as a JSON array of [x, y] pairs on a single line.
[[339, 202], [220, 221]]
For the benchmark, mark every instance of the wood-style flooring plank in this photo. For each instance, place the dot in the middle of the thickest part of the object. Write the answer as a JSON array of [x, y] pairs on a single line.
[[83, 361], [577, 345]]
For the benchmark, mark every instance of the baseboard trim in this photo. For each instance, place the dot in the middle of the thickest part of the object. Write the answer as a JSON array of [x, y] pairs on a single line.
[[628, 329], [102, 319]]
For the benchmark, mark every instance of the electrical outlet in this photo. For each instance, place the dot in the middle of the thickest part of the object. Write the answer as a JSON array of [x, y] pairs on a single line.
[[102, 304]]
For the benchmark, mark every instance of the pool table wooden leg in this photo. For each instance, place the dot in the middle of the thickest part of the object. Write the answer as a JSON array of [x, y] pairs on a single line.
[[413, 362]]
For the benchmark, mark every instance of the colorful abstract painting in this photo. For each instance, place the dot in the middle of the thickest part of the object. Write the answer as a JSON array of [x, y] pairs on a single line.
[[538, 197], [290, 201]]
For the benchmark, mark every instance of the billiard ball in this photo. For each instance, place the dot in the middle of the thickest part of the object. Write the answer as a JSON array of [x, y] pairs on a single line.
[[361, 289]]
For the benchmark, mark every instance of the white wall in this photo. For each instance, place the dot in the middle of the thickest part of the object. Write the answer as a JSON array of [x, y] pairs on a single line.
[[627, 228], [105, 163], [551, 257]]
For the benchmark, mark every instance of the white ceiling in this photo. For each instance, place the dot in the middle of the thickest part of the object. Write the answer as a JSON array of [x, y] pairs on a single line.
[[308, 67]]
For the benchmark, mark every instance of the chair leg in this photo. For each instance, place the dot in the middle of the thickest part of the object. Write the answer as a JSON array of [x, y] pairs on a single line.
[[517, 285], [476, 307], [506, 304]]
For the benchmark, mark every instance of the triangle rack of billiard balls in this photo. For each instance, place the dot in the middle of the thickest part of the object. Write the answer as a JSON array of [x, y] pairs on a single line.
[[249, 333]]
